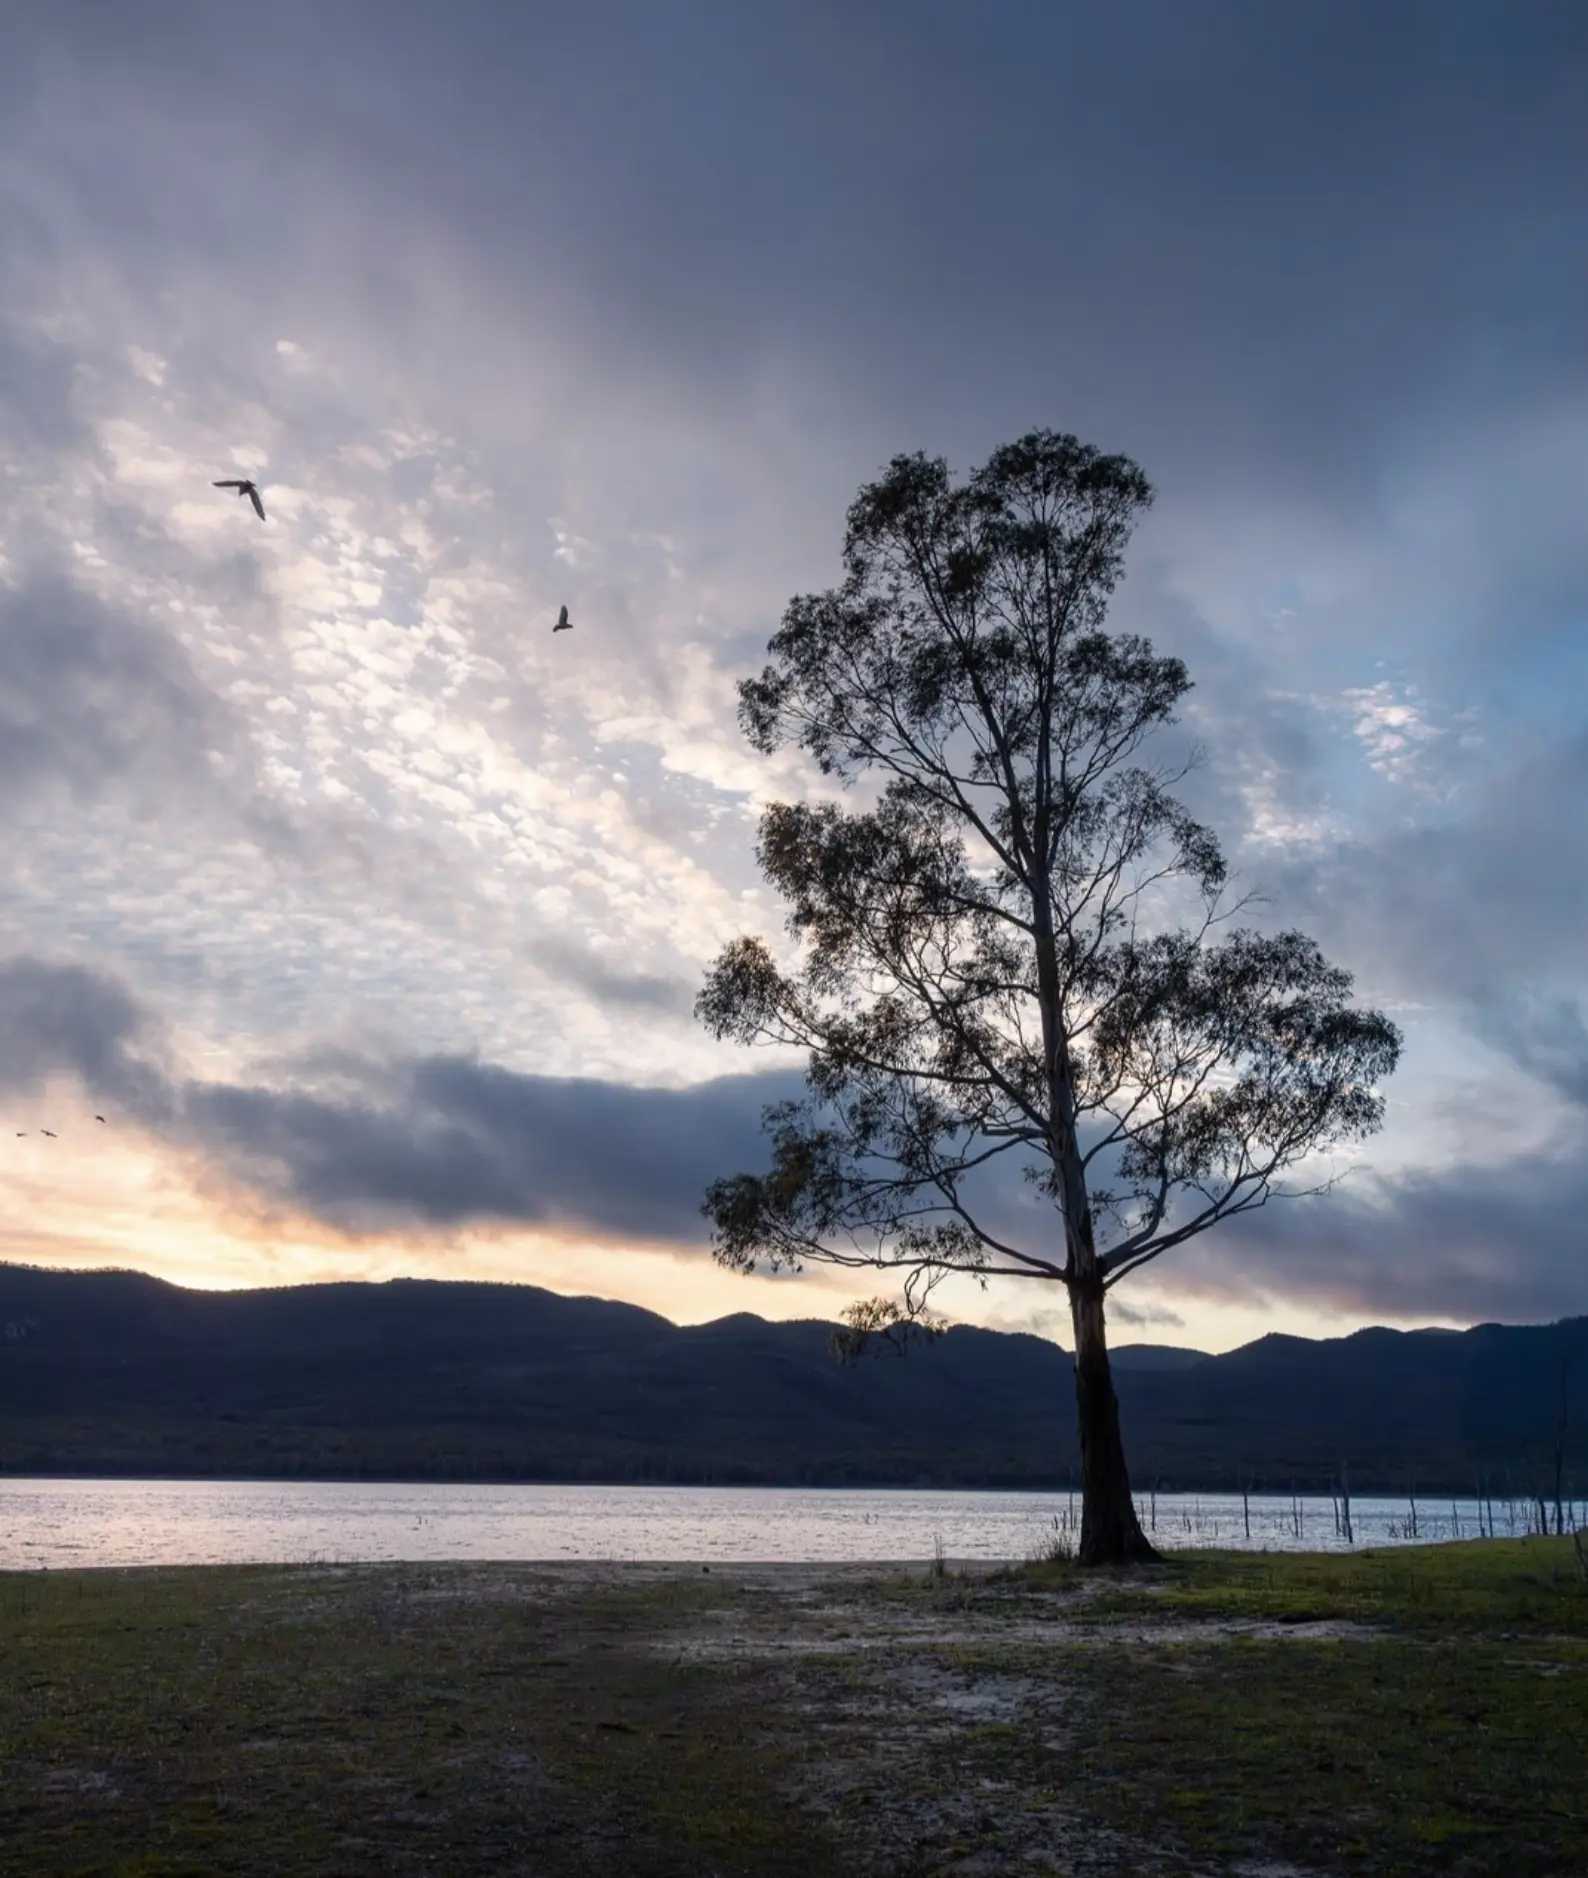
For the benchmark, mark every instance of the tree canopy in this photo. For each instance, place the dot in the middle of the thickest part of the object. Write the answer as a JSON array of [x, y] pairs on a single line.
[[990, 968]]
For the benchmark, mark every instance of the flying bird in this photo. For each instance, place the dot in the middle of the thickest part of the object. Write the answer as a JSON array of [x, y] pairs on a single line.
[[99, 1118], [244, 487], [48, 1131], [564, 624]]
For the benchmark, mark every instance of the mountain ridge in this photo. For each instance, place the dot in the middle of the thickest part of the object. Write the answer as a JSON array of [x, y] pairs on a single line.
[[117, 1372]]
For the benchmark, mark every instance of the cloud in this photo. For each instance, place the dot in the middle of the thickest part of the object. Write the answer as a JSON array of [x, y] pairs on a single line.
[[64, 1021], [448, 1140], [1461, 903], [1242, 280], [663, 994], [1392, 726], [372, 1143], [1123, 1310], [366, 1142], [328, 785], [344, 728], [1502, 1242], [91, 699], [35, 394]]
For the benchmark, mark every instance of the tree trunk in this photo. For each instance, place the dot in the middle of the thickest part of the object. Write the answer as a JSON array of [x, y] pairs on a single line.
[[1111, 1534]]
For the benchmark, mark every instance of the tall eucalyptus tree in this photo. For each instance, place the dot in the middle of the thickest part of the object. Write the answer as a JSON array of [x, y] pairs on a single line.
[[1015, 950]]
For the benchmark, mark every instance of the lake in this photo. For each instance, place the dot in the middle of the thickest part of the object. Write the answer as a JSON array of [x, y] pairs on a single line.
[[57, 1524]]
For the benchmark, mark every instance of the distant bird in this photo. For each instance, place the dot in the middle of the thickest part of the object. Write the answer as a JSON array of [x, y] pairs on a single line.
[[99, 1118], [22, 1134], [564, 624], [246, 488], [48, 1131]]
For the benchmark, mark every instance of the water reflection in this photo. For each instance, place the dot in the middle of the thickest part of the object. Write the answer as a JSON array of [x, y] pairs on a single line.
[[57, 1523]]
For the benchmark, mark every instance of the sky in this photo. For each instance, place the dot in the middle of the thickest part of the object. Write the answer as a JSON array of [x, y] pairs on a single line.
[[370, 915]]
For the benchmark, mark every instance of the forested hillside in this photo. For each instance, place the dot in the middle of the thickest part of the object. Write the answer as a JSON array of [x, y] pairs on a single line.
[[114, 1372]]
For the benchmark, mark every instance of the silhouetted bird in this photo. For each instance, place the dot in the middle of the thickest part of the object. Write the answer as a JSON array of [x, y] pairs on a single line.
[[99, 1118], [22, 1134], [564, 624], [245, 488], [48, 1131]]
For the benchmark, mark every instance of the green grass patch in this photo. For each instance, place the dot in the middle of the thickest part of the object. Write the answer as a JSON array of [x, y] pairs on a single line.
[[1382, 1757], [1478, 1585], [320, 1722]]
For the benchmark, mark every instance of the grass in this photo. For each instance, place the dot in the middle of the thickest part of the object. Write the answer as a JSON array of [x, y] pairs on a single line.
[[1438, 1723], [1400, 1712], [1379, 1757], [1482, 1585], [312, 1721]]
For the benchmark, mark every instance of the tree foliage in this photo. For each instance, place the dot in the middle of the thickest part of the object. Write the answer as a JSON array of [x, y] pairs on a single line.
[[1013, 945]]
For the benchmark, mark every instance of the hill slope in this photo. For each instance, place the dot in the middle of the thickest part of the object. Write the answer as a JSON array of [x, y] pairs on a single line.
[[114, 1372]]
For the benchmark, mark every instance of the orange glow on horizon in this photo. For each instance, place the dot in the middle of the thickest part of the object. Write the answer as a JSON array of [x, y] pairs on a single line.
[[117, 1199]]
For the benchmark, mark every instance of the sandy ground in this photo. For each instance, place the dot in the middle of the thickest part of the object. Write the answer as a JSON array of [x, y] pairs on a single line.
[[772, 1609], [882, 1670]]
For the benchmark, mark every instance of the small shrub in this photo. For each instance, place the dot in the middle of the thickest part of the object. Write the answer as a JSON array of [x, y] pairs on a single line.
[[1058, 1548]]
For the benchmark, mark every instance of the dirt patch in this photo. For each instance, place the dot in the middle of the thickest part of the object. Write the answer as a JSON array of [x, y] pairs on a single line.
[[727, 1635], [773, 1613], [79, 1783]]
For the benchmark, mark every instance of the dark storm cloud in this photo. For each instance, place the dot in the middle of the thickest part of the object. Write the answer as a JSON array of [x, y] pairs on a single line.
[[362, 1144], [1546, 1037], [1504, 1243], [447, 1140], [408, 1143], [1301, 223], [1233, 236], [1267, 251], [63, 1020]]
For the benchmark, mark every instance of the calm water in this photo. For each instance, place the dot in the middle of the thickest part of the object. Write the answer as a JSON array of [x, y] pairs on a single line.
[[60, 1523]]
